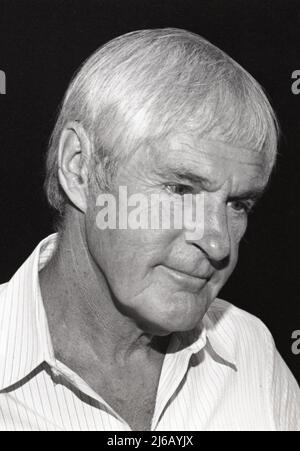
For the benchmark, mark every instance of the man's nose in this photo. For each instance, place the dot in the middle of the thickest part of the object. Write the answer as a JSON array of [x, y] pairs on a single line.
[[215, 239]]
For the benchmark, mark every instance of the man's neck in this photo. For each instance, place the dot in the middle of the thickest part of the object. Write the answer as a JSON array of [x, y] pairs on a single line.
[[85, 325]]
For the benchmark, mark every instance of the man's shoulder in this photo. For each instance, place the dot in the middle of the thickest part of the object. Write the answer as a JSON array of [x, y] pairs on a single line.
[[238, 328], [3, 288], [226, 312], [4, 298], [25, 274]]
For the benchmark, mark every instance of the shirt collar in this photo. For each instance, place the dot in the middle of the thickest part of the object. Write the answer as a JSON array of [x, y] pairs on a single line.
[[208, 335], [215, 330], [25, 341]]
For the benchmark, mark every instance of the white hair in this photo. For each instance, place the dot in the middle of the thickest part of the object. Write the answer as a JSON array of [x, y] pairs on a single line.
[[149, 84]]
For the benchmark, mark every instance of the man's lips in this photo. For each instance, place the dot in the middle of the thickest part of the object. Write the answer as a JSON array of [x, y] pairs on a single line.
[[186, 279]]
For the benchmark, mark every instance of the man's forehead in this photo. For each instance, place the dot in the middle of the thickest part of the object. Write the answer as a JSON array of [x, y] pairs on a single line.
[[186, 148], [210, 159]]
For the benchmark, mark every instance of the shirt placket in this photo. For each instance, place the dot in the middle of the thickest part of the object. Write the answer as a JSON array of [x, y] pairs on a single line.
[[174, 368]]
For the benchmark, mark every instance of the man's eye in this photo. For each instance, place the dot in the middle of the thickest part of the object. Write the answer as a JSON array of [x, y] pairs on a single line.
[[241, 206], [179, 189]]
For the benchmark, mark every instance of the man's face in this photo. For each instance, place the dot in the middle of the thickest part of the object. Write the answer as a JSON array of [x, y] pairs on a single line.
[[160, 278]]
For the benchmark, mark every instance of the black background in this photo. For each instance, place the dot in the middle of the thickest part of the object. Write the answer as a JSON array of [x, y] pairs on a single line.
[[43, 42]]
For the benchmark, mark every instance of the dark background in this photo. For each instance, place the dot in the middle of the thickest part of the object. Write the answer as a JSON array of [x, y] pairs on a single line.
[[43, 42]]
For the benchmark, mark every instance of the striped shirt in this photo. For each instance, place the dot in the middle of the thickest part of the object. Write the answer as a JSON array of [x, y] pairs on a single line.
[[228, 377]]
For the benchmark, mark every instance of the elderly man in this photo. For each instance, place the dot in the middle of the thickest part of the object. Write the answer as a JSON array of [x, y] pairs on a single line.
[[119, 328]]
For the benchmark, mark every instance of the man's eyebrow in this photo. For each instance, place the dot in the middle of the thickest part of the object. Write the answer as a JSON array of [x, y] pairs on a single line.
[[183, 174], [252, 194]]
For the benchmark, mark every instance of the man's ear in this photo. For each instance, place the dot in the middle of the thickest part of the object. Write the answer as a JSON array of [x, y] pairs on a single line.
[[74, 157]]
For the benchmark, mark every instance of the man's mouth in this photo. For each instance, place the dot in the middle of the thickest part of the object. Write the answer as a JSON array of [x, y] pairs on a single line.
[[192, 282]]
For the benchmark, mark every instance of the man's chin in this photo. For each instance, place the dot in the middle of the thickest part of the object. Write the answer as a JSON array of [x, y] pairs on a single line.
[[162, 315], [166, 325]]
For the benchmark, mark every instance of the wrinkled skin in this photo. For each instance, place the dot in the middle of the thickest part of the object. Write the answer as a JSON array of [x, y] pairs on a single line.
[[159, 278]]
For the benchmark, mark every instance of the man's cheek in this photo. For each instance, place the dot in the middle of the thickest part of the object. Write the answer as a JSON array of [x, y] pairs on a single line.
[[238, 230]]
